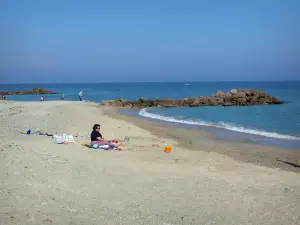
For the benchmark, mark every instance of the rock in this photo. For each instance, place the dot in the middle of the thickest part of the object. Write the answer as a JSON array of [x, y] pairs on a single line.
[[227, 104], [262, 100], [199, 101], [34, 91], [228, 94], [128, 105], [262, 94], [212, 101], [252, 100], [241, 101], [276, 101], [195, 102], [233, 91], [166, 103], [107, 102], [228, 98], [249, 92], [238, 97], [189, 101], [220, 94], [219, 100]]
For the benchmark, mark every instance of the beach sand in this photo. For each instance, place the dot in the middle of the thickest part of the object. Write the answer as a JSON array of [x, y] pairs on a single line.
[[202, 181], [263, 155]]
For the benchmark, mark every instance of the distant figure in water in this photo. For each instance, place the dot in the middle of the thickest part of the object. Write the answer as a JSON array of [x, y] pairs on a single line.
[[3, 97], [42, 98], [62, 97], [81, 95]]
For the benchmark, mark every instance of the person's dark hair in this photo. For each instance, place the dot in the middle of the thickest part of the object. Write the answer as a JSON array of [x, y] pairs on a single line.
[[96, 126]]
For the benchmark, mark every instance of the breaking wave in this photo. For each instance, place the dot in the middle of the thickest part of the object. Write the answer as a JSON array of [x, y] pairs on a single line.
[[224, 125]]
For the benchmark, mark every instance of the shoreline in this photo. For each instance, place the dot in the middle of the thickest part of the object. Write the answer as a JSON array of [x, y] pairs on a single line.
[[195, 140], [222, 133]]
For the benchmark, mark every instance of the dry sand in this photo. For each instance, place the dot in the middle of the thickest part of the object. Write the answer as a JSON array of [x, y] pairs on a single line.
[[46, 183]]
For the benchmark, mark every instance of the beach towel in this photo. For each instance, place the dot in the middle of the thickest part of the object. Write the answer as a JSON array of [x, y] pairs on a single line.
[[68, 138], [64, 139]]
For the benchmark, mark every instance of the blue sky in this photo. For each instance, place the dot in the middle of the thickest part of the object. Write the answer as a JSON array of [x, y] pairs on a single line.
[[166, 40]]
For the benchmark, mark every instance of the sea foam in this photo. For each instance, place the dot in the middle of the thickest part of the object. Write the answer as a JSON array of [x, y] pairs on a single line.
[[223, 125]]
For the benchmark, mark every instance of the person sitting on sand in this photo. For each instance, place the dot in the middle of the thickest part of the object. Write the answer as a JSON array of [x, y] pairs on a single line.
[[96, 137]]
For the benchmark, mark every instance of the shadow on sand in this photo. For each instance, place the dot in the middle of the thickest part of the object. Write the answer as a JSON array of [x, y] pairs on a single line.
[[289, 163]]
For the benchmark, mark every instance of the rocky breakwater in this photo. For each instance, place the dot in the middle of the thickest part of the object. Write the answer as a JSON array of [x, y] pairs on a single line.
[[235, 97], [33, 91]]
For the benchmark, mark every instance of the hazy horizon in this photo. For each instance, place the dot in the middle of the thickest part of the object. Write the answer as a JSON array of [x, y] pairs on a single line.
[[184, 82], [135, 41]]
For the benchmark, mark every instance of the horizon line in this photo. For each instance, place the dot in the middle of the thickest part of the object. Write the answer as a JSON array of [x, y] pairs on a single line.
[[109, 82]]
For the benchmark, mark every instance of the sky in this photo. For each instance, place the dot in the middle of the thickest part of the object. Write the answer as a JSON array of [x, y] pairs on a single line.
[[157, 40]]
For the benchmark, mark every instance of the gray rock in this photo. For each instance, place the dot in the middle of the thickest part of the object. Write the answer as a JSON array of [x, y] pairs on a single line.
[[220, 94], [233, 91], [239, 97], [228, 94]]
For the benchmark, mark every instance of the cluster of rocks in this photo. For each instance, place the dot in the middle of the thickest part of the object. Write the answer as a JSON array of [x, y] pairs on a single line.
[[34, 91], [235, 97]]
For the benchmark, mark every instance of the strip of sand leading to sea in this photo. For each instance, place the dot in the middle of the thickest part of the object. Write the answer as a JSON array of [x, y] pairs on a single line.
[[47, 183]]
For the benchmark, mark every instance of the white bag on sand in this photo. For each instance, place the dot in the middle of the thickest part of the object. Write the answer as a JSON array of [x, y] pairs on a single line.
[[57, 139], [103, 146], [96, 146]]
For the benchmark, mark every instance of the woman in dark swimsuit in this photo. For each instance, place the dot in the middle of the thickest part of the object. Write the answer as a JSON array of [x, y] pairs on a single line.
[[96, 137]]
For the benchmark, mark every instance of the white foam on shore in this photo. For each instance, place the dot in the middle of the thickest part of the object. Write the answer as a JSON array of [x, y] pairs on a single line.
[[224, 125]]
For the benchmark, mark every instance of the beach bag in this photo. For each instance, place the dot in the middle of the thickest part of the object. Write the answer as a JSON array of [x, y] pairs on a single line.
[[103, 146]]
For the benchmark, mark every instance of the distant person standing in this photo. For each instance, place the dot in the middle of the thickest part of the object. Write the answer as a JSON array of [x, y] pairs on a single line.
[[81, 95], [42, 98], [62, 97]]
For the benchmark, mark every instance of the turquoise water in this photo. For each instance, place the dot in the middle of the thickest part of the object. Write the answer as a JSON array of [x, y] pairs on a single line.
[[273, 124]]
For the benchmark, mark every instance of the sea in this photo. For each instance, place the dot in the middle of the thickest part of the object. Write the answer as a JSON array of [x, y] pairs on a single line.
[[275, 125]]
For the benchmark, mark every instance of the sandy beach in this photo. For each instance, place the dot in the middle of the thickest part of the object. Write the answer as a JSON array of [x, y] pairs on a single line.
[[202, 181]]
